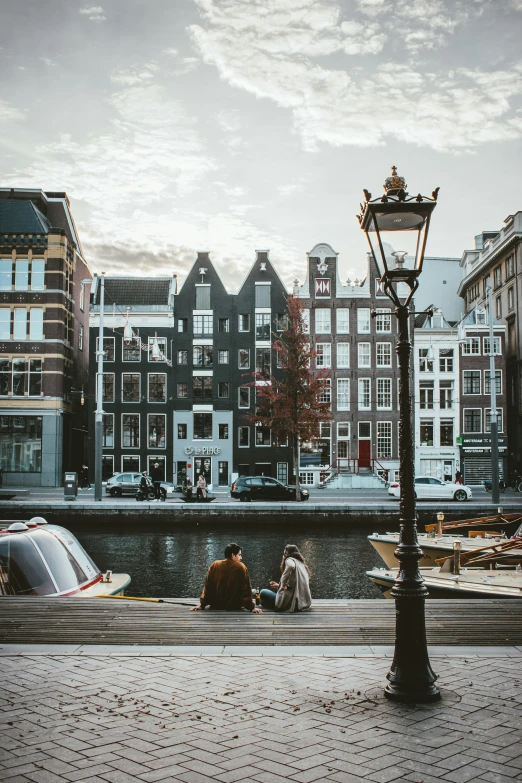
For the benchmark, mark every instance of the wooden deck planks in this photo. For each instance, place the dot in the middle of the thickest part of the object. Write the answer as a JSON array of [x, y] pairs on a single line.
[[367, 622]]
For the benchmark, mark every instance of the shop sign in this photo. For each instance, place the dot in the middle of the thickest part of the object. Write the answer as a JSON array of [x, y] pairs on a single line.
[[202, 451], [482, 443]]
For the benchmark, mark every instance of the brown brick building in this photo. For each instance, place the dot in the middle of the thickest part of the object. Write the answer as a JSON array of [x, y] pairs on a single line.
[[43, 338]]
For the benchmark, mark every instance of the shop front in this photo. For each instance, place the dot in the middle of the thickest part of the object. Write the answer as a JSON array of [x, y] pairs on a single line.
[[475, 459], [211, 458]]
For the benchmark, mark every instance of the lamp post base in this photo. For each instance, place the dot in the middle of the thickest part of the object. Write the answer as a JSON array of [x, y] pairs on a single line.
[[397, 693]]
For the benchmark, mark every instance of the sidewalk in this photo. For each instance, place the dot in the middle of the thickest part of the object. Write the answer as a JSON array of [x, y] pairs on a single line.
[[171, 714]]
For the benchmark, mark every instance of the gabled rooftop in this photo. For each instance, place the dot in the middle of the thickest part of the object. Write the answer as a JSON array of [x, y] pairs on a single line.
[[129, 291], [22, 217]]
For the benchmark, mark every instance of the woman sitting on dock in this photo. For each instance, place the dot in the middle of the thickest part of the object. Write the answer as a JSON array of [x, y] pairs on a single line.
[[293, 591]]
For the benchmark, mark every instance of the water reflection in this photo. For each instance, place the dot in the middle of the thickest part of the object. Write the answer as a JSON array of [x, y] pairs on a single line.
[[166, 563]]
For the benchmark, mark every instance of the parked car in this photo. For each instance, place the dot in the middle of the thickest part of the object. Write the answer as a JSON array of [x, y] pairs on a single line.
[[264, 488], [428, 488], [127, 484]]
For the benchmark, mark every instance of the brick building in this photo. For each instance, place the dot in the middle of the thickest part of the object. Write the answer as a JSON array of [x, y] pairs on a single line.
[[43, 338]]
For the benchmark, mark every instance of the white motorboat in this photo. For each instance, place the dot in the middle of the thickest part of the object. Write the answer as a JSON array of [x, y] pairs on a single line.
[[39, 559]]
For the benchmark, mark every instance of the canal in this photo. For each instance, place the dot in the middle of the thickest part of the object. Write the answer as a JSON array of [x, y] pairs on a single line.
[[173, 564]]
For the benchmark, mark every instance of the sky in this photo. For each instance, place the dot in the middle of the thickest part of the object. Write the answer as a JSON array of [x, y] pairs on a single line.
[[239, 125]]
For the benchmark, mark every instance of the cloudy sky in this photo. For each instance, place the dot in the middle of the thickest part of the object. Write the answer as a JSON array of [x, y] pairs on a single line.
[[235, 125]]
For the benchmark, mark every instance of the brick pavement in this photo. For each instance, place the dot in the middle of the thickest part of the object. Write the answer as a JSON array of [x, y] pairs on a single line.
[[126, 718]]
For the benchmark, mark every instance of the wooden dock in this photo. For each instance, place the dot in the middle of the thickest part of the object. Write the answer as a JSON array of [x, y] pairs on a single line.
[[30, 620]]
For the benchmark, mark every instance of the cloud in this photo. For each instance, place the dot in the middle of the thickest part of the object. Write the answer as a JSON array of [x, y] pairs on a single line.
[[48, 62], [135, 75], [95, 13], [288, 190], [9, 113], [273, 54]]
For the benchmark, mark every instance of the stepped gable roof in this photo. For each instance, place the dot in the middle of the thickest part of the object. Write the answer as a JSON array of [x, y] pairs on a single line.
[[135, 291], [22, 217]]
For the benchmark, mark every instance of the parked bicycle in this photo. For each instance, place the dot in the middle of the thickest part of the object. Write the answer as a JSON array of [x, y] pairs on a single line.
[[488, 485]]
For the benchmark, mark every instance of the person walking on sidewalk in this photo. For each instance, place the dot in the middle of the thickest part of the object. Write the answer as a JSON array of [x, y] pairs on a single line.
[[156, 475], [227, 585], [292, 594]]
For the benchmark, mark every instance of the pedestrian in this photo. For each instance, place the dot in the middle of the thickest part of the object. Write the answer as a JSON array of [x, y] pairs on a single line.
[[144, 484], [292, 594], [458, 477], [156, 475], [227, 585], [84, 477], [202, 487]]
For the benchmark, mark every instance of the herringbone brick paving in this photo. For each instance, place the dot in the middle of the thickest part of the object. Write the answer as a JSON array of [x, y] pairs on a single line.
[[253, 720]]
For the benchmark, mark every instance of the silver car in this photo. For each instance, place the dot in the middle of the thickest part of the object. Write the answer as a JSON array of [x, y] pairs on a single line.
[[127, 484]]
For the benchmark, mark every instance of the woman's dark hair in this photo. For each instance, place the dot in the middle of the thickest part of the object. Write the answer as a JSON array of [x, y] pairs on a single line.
[[292, 551], [232, 549]]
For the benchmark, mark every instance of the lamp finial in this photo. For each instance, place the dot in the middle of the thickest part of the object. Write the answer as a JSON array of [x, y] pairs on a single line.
[[394, 184]]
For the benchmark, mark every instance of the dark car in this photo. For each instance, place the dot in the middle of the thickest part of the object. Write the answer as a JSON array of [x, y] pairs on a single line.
[[263, 488]]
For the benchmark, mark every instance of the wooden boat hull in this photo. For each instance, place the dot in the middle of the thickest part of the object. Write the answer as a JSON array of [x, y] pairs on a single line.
[[469, 584], [433, 548]]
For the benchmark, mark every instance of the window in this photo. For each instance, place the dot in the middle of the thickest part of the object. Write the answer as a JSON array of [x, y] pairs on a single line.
[[343, 429], [384, 440], [496, 346], [130, 464], [244, 322], [281, 322], [19, 373], [325, 395], [511, 298], [21, 444], [384, 355], [471, 382], [244, 396], [20, 323], [263, 436], [38, 276], [487, 420], [510, 266], [263, 361], [223, 325], [80, 337], [426, 432], [36, 319], [485, 285], [222, 474], [343, 394], [202, 324], [182, 389], [156, 429], [157, 349], [343, 355], [343, 320], [363, 355], [322, 320], [222, 357], [223, 389], [446, 394], [202, 426], [497, 276], [130, 431], [5, 323], [363, 320], [108, 348], [446, 360], [5, 376], [244, 358], [498, 307], [263, 295], [324, 355], [108, 387], [182, 432], [384, 393], [446, 432], [131, 353], [365, 429], [472, 420], [223, 432], [364, 394], [202, 297], [498, 382], [182, 357], [471, 347], [306, 320], [108, 431], [157, 387], [426, 394], [383, 321], [244, 437], [182, 324], [130, 387], [202, 387], [282, 472], [202, 355], [425, 363], [262, 326], [6, 274], [35, 377], [22, 275]]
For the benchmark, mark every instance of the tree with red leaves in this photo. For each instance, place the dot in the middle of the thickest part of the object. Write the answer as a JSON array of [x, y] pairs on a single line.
[[290, 405]]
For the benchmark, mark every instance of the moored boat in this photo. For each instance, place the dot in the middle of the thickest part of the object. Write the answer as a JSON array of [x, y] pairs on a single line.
[[39, 559]]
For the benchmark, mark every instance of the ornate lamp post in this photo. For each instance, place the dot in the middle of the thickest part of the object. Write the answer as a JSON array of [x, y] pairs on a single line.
[[404, 218]]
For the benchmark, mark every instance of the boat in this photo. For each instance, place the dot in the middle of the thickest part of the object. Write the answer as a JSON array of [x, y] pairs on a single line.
[[494, 573], [438, 539], [39, 559]]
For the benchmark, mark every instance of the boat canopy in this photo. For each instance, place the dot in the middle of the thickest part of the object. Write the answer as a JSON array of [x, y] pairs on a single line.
[[43, 561]]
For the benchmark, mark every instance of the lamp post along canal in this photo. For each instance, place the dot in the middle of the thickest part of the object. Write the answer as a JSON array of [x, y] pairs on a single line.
[[405, 219], [493, 414], [98, 425]]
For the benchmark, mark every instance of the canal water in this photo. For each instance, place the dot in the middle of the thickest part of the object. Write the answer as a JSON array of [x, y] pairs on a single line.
[[173, 564]]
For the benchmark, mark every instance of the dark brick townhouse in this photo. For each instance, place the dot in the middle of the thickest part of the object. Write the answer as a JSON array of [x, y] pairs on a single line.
[[43, 338]]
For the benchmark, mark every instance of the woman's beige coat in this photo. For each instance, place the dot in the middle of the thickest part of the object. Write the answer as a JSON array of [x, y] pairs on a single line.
[[296, 597]]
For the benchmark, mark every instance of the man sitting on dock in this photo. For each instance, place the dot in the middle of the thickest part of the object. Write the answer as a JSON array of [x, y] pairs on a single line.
[[227, 585]]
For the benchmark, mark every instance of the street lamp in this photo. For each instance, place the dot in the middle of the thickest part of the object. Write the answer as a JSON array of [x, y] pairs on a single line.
[[405, 218]]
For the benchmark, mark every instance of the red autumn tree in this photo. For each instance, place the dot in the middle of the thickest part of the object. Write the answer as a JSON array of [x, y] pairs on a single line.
[[290, 405]]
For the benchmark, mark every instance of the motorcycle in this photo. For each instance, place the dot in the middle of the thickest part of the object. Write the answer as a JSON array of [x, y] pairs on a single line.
[[488, 486], [148, 494]]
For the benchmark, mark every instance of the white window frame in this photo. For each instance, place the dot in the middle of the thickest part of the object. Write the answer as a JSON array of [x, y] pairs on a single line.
[[500, 415], [130, 402], [365, 383], [382, 347], [471, 432], [36, 323], [148, 431], [239, 317], [486, 377], [343, 362], [382, 320], [20, 322], [324, 355], [239, 361], [80, 337], [113, 387], [161, 341], [262, 445], [388, 437], [469, 345], [381, 382], [497, 344], [239, 445], [477, 374], [123, 434], [363, 320], [364, 352], [326, 395], [240, 389], [130, 456], [342, 328], [106, 417], [306, 320], [323, 324], [341, 395], [154, 402]]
